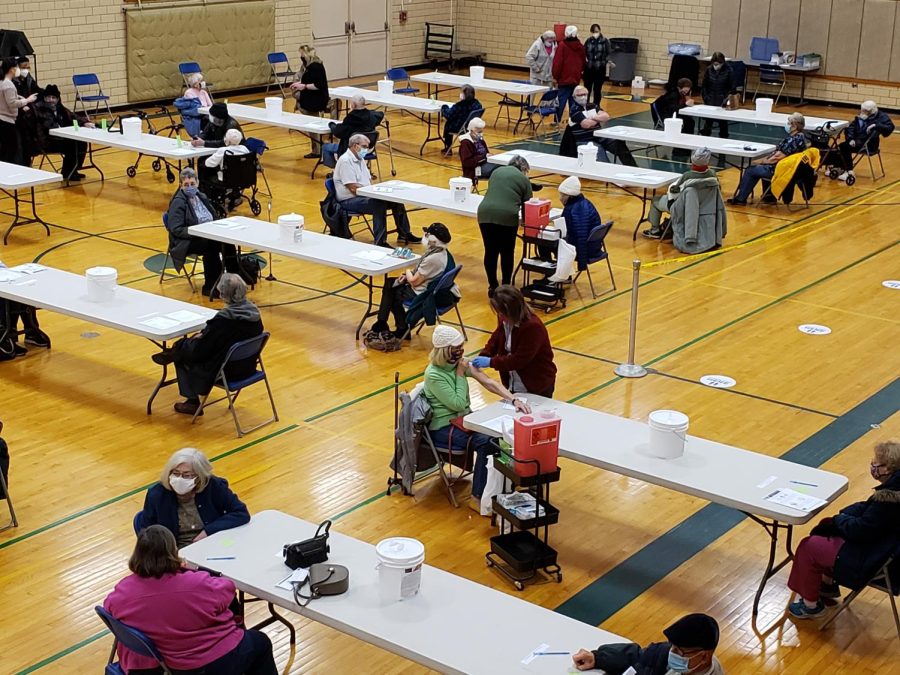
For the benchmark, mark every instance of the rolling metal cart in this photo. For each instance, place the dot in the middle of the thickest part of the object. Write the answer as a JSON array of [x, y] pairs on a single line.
[[538, 264]]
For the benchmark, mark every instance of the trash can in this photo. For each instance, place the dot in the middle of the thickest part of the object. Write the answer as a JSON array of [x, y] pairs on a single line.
[[623, 55]]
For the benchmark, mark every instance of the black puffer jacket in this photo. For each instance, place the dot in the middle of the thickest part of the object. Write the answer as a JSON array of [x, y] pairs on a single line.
[[718, 85]]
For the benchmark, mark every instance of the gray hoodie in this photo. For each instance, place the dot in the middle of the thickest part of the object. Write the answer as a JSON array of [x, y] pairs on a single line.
[[540, 62]]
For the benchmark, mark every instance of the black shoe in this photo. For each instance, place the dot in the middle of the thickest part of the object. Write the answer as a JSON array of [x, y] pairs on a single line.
[[188, 407], [652, 234], [75, 177], [312, 155], [403, 334], [491, 292], [737, 202], [38, 339], [163, 358], [380, 327], [409, 239], [830, 591], [19, 350], [769, 199], [79, 175], [384, 244]]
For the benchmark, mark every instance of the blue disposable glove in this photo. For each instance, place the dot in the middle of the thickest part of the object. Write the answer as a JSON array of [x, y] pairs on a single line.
[[481, 362]]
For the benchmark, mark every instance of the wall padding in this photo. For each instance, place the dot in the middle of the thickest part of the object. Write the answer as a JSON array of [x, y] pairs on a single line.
[[229, 40], [878, 29]]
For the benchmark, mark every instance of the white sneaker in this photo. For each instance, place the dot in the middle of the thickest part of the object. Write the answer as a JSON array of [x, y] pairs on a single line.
[[844, 175]]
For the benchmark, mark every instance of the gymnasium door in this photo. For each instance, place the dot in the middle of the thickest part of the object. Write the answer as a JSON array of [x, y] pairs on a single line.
[[351, 36]]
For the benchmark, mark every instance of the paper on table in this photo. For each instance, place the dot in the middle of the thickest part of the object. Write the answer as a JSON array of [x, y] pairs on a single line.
[[636, 176], [534, 654], [497, 423], [510, 406], [402, 185], [382, 188], [8, 276], [767, 482], [160, 323], [372, 256], [796, 500], [298, 575], [28, 268], [184, 316]]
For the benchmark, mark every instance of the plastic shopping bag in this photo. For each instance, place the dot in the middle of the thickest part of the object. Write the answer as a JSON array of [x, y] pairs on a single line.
[[493, 486], [565, 262]]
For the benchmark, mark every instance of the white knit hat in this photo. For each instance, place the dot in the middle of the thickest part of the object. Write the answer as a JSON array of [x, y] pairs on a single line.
[[571, 31], [446, 336], [570, 186]]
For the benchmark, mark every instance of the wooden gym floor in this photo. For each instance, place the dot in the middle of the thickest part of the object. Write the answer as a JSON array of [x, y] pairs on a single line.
[[634, 556]]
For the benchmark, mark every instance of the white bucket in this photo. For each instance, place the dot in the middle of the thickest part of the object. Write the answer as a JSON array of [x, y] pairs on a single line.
[[131, 128], [101, 283], [460, 188], [587, 155], [274, 106], [385, 86], [288, 225], [667, 433], [673, 126], [476, 73], [399, 567], [764, 106]]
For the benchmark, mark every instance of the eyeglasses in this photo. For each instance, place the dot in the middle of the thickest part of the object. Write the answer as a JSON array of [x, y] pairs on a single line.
[[179, 474]]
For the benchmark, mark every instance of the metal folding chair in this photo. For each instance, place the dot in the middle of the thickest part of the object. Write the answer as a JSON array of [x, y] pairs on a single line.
[[89, 80], [400, 75], [478, 112], [4, 494], [883, 582], [505, 103], [771, 76], [598, 236], [868, 154], [281, 77], [329, 187], [546, 107], [187, 69], [132, 639], [240, 351], [193, 258]]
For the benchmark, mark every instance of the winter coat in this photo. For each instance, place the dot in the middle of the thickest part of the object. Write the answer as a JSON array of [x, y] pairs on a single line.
[[857, 131], [472, 154], [181, 216], [786, 169], [219, 508], [597, 51], [361, 121], [413, 455], [653, 659], [568, 63], [458, 114], [190, 117], [530, 355], [581, 218], [214, 136], [667, 105], [47, 118], [699, 221], [718, 86], [540, 63], [871, 533]]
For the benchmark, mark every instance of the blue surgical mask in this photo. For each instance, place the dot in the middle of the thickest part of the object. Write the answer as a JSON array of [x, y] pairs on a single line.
[[363, 153], [191, 190], [787, 127], [678, 663]]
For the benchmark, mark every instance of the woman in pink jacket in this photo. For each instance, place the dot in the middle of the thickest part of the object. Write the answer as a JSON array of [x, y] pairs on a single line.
[[185, 613]]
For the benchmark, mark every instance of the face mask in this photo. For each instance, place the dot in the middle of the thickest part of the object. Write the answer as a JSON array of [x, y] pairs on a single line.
[[875, 471], [362, 153], [548, 43], [190, 190], [455, 356], [678, 663], [23, 72], [203, 84], [431, 241], [787, 127], [717, 66], [476, 135], [863, 115], [596, 34], [182, 485], [684, 92], [581, 100]]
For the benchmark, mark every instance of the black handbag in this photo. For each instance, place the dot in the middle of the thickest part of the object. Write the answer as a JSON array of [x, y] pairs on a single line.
[[309, 551], [323, 579]]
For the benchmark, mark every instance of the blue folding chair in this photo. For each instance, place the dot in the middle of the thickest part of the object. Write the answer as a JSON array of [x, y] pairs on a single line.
[[505, 103], [132, 639], [282, 77], [187, 69], [89, 80], [400, 75], [192, 258], [332, 192], [137, 522], [596, 238], [244, 350], [762, 48], [546, 107], [445, 283], [770, 75], [464, 129]]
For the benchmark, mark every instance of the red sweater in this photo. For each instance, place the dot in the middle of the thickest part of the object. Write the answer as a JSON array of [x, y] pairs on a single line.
[[531, 355], [186, 616], [568, 63]]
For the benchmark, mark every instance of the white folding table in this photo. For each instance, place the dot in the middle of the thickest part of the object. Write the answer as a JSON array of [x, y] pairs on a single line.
[[170, 150], [452, 625], [722, 474], [628, 178], [427, 110], [505, 88], [14, 178], [356, 259], [749, 116], [154, 317]]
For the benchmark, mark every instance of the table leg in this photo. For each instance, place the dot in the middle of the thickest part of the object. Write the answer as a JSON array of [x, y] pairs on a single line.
[[163, 380], [18, 220], [524, 102], [367, 280], [772, 568], [428, 137], [802, 100], [91, 164]]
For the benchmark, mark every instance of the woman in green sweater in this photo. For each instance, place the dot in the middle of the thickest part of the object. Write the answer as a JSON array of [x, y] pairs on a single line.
[[498, 218], [447, 391]]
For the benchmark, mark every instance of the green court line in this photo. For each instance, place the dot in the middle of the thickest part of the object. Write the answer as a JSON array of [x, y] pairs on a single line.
[[63, 653]]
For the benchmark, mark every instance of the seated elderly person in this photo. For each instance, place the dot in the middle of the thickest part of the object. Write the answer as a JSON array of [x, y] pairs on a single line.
[[190, 207], [457, 114], [699, 169], [584, 119], [764, 168], [447, 390], [50, 113], [352, 173], [196, 88], [689, 649], [190, 501], [473, 152], [213, 134], [848, 549], [581, 218], [10, 315], [198, 358], [212, 174], [869, 122], [187, 614], [359, 120], [413, 283]]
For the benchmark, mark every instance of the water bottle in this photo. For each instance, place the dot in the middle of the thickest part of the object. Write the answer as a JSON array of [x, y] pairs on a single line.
[[75, 124]]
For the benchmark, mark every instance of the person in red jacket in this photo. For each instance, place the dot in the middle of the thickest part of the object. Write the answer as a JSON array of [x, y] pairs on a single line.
[[568, 66], [519, 347]]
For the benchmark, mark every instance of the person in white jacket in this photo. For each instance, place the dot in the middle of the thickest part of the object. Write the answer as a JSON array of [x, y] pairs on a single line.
[[539, 58], [232, 146]]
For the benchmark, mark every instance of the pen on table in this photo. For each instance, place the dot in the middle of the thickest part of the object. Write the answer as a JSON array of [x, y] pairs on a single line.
[[552, 653], [144, 316], [223, 557], [800, 482]]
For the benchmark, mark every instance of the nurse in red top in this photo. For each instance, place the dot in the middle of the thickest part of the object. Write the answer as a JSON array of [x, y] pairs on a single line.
[[185, 613], [519, 348]]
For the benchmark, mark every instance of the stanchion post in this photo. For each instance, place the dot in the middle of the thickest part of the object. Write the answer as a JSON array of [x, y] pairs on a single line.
[[631, 369]]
